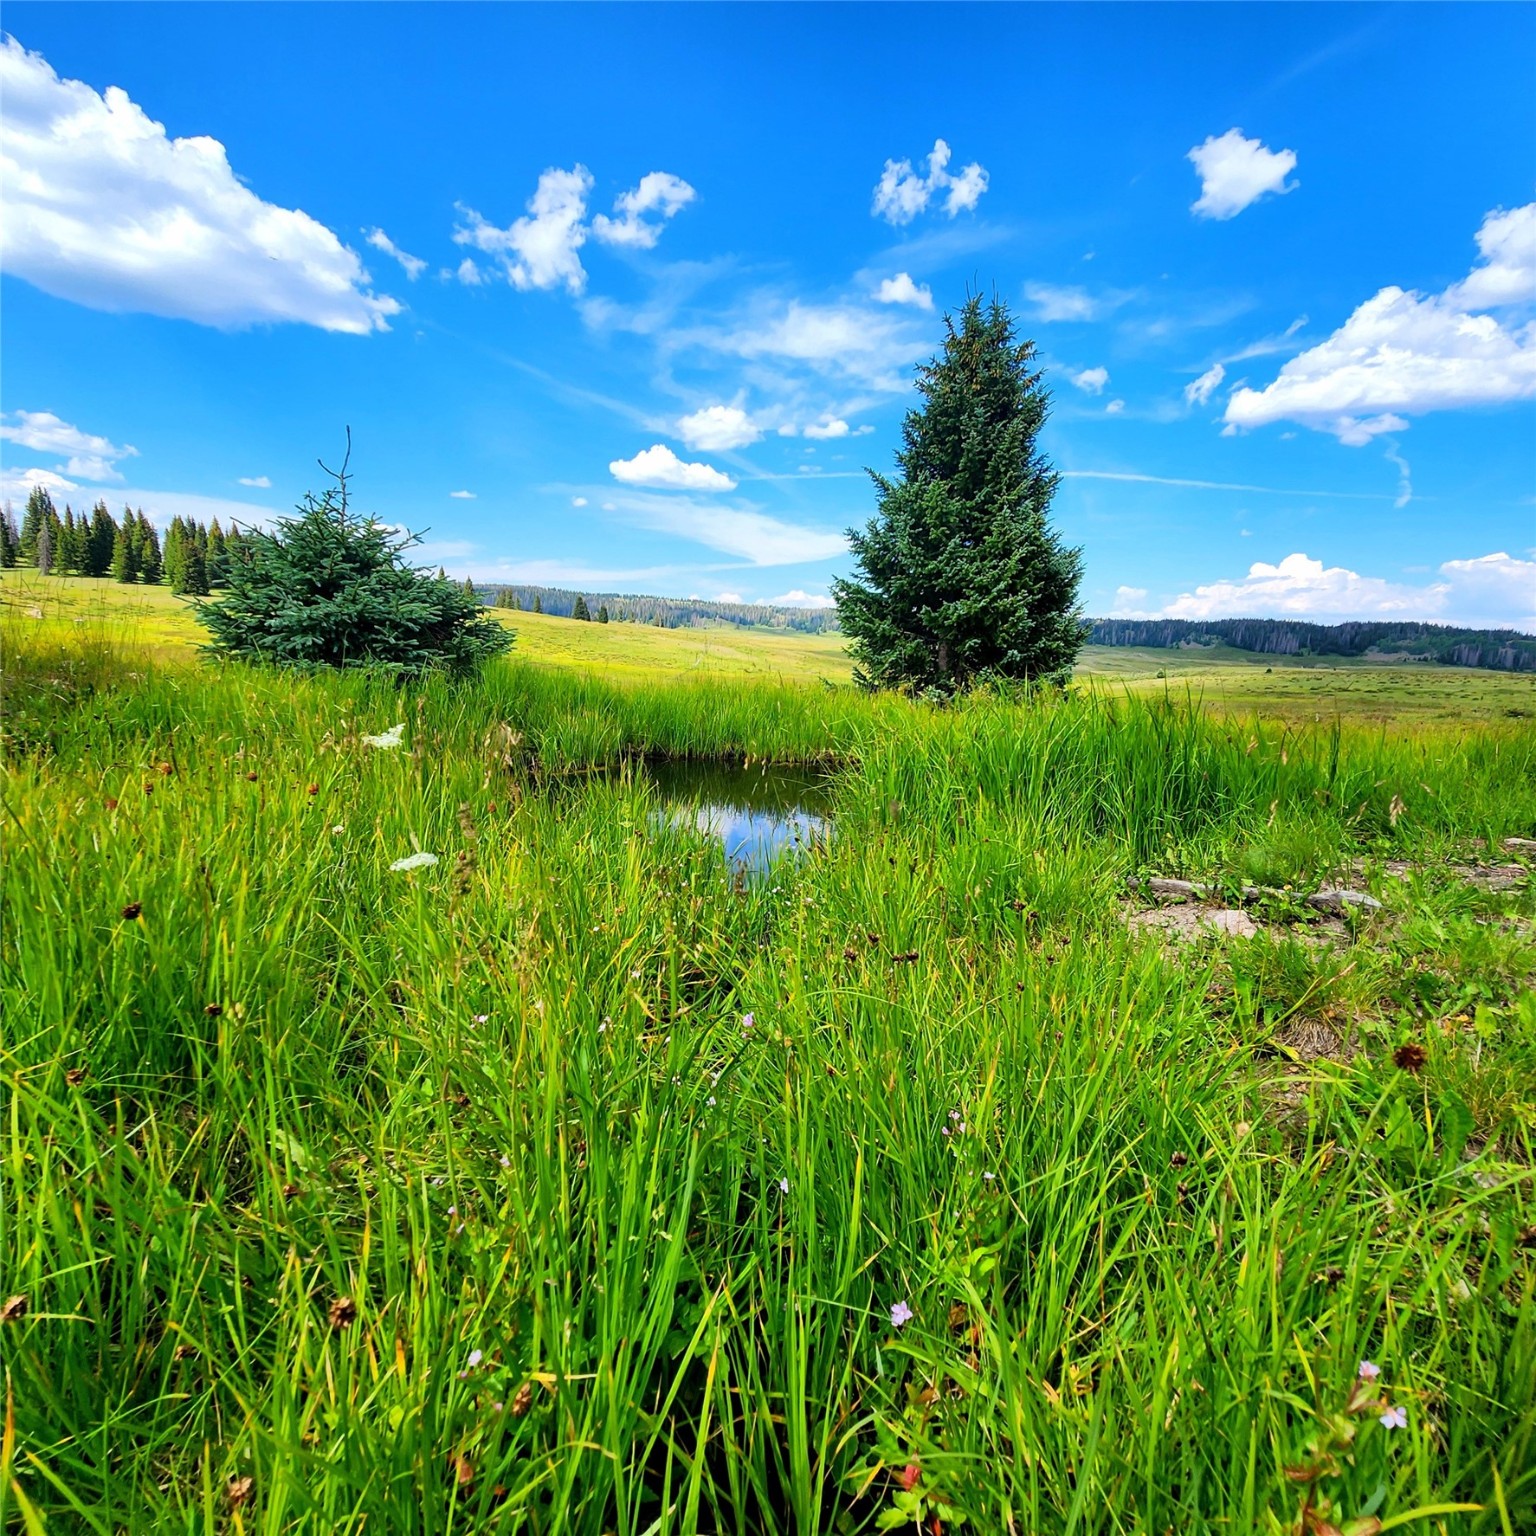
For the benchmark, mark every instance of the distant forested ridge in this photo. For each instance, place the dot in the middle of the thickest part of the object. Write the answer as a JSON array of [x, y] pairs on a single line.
[[664, 612], [1500, 650]]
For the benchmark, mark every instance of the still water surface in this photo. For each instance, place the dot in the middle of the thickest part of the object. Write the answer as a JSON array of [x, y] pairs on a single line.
[[755, 813]]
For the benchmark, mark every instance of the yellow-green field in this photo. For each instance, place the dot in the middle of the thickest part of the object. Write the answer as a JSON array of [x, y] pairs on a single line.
[[1296, 689]]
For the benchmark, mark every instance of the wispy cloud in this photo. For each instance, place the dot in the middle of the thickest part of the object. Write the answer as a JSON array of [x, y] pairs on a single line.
[[1213, 485], [742, 530]]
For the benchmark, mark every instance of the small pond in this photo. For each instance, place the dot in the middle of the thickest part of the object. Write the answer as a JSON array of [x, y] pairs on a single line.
[[756, 813]]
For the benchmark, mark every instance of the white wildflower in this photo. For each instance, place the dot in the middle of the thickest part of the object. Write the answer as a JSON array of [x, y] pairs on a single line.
[[389, 740], [415, 861]]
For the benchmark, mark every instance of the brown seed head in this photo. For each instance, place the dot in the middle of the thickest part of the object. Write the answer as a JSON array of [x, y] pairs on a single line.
[[1410, 1057], [110, 803], [343, 1312], [185, 1352], [1527, 1238], [149, 789], [463, 1470], [251, 776], [314, 789], [166, 769], [523, 1401], [850, 953], [14, 1310], [292, 1191], [132, 910], [240, 1491], [1178, 1160], [75, 1076], [213, 1010]]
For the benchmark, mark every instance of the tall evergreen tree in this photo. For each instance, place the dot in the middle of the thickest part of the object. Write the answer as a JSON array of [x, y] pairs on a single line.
[[579, 608], [149, 550], [194, 563], [602, 613], [39, 508], [961, 579], [45, 544], [10, 538], [538, 605], [216, 556], [173, 554], [100, 542], [469, 588], [71, 553], [125, 554]]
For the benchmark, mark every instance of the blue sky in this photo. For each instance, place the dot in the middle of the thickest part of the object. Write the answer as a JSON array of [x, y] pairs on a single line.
[[629, 297]]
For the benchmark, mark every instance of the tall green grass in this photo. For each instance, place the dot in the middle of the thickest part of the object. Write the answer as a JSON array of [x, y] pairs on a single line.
[[469, 1199]]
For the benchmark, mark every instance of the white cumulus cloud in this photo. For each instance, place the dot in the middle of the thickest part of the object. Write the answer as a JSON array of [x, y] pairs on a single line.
[[902, 193], [1403, 353], [414, 265], [1496, 591], [1235, 172], [1091, 380], [542, 249], [902, 290], [461, 495], [799, 599], [539, 250], [85, 454], [578, 501], [827, 427], [1199, 391], [103, 208], [659, 466], [660, 193], [256, 482], [718, 428]]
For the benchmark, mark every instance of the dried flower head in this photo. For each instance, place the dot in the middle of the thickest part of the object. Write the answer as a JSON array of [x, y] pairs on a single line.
[[14, 1310], [132, 910], [251, 776], [110, 802], [1178, 1160], [1410, 1057], [343, 1312], [523, 1401], [75, 1076], [213, 1010], [239, 1491]]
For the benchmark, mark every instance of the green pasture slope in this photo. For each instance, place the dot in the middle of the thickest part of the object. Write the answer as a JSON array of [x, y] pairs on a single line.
[[567, 1185]]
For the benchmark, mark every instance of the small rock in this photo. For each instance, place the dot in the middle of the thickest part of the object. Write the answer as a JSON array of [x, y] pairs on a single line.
[[1230, 921], [1520, 844], [1339, 901], [1182, 889]]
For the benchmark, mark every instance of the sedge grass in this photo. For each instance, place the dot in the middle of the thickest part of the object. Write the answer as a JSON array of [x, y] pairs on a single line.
[[569, 1185]]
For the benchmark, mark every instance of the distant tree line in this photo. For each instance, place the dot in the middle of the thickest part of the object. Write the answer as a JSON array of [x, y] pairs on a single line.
[[193, 558], [1500, 650], [664, 612]]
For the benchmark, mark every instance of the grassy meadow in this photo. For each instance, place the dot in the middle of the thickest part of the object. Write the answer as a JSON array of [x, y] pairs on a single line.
[[572, 1183]]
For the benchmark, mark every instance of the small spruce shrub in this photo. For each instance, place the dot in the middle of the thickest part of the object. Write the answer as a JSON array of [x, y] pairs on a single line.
[[329, 589]]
